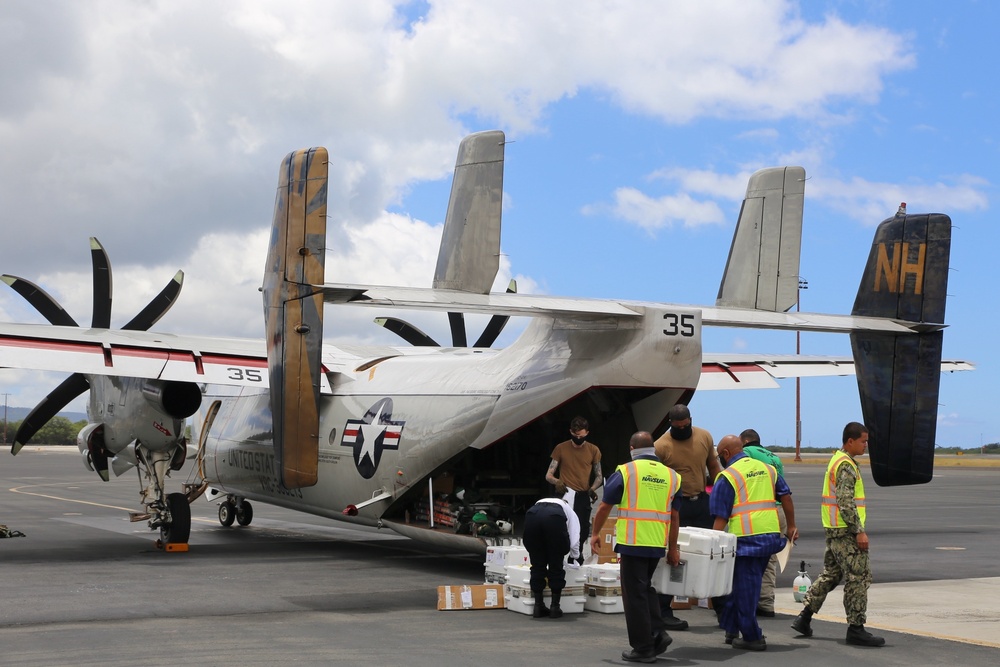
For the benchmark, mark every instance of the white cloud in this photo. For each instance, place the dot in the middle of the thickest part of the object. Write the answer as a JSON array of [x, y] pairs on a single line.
[[870, 202], [653, 213], [139, 118]]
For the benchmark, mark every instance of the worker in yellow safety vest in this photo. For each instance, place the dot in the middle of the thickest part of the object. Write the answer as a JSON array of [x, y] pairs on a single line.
[[743, 503], [647, 494], [846, 555]]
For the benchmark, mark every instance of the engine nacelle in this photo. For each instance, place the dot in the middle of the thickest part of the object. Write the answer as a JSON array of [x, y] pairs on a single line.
[[131, 409], [178, 400]]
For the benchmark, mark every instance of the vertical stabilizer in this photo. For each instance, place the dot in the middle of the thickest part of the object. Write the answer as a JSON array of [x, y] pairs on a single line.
[[469, 256], [762, 271], [899, 375], [293, 313]]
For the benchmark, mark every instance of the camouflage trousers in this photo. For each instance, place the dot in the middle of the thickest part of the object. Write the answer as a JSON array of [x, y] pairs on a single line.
[[843, 560]]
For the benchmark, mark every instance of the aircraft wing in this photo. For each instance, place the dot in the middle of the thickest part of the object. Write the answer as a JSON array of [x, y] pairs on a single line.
[[143, 354], [750, 371], [530, 305], [538, 305]]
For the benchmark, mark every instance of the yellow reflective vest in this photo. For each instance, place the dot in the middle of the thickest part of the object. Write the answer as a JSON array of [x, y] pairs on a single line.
[[644, 510], [753, 512], [831, 511]]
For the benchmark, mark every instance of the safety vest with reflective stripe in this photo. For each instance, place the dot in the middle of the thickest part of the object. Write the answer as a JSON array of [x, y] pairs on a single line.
[[753, 512], [644, 510], [831, 511]]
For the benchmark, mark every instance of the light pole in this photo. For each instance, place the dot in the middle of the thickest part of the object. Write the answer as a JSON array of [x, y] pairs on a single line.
[[5, 418], [803, 284]]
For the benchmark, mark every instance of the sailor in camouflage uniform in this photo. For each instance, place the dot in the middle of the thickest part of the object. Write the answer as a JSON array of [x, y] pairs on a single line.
[[846, 555]]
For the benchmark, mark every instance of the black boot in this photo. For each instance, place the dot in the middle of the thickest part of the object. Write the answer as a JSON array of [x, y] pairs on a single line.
[[857, 635], [540, 610], [556, 611], [801, 624]]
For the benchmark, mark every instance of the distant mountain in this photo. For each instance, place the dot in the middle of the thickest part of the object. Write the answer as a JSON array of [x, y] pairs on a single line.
[[15, 414]]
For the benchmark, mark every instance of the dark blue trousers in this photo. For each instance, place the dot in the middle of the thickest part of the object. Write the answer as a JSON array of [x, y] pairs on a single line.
[[546, 538], [739, 613]]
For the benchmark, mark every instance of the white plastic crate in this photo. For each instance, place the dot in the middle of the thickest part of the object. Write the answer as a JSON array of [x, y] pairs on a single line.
[[706, 568], [523, 602], [499, 557], [603, 604], [604, 574]]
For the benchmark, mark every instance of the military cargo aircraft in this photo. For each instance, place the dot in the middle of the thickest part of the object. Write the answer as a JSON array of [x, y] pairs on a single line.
[[446, 444]]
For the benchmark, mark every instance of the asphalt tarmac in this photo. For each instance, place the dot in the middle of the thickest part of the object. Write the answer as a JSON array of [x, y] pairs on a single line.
[[86, 587]]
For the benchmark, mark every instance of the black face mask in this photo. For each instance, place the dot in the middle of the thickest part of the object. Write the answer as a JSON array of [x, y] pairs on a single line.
[[577, 441], [680, 432], [724, 462]]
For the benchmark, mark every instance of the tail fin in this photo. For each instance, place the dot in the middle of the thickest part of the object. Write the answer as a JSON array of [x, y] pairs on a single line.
[[762, 271], [293, 313], [899, 375], [469, 256]]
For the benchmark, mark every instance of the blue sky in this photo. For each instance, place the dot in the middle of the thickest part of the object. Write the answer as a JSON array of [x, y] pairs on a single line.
[[158, 127]]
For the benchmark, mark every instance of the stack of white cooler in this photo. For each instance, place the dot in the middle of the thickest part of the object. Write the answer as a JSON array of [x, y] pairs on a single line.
[[519, 598], [499, 557], [603, 588], [706, 567]]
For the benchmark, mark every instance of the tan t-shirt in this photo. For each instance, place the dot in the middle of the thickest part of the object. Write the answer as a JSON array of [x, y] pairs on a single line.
[[688, 457], [575, 464]]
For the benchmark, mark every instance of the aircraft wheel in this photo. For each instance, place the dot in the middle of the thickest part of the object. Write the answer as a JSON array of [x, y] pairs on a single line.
[[179, 529], [227, 513], [244, 513]]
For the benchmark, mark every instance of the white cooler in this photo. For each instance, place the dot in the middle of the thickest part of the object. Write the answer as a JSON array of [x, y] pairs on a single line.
[[522, 601], [605, 575], [603, 588], [706, 568], [518, 596], [498, 558], [603, 604], [519, 577]]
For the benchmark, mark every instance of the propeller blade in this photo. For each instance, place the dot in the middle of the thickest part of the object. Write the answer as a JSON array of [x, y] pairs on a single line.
[[102, 285], [158, 307], [407, 332], [457, 322], [492, 331], [41, 301], [57, 399], [496, 323]]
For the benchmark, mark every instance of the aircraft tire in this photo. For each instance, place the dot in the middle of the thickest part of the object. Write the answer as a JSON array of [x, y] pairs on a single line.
[[244, 513], [179, 530], [227, 513]]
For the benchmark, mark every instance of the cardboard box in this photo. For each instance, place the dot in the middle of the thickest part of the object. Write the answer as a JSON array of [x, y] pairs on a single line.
[[606, 550], [681, 602], [480, 596]]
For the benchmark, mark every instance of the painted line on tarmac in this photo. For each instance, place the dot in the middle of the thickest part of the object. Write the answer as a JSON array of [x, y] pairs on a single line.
[[21, 490]]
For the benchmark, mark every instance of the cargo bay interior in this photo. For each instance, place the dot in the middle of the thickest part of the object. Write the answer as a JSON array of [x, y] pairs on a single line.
[[485, 493]]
